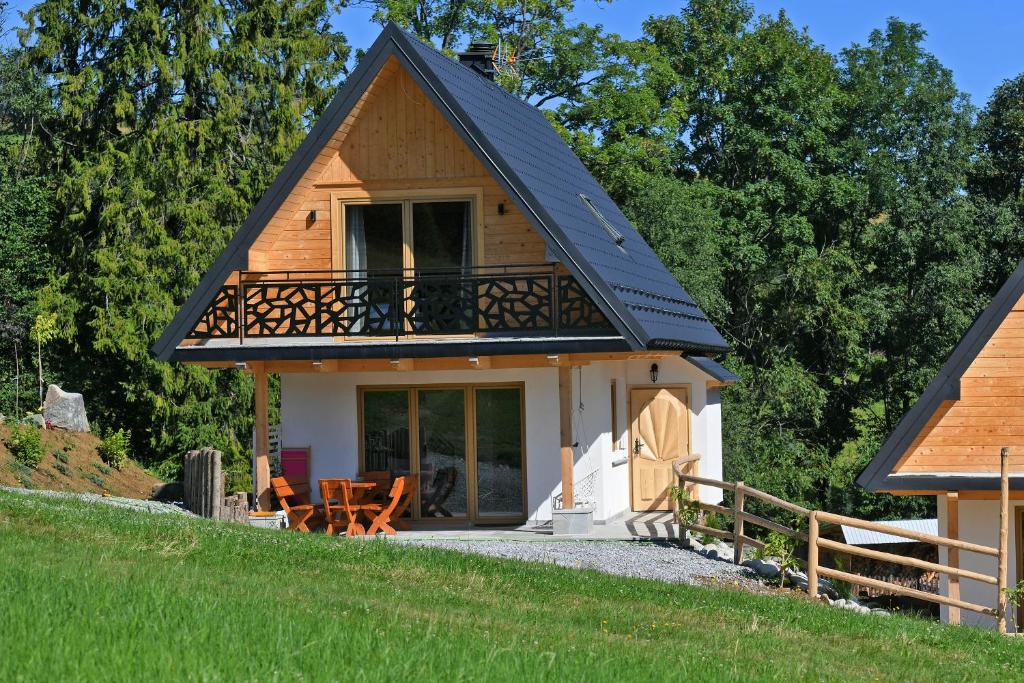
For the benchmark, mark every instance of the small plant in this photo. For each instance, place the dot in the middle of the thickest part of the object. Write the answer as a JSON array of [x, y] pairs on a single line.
[[688, 509], [25, 445], [713, 521], [782, 548], [1015, 596], [95, 479], [23, 474], [61, 456], [843, 588], [103, 469], [62, 468], [114, 449]]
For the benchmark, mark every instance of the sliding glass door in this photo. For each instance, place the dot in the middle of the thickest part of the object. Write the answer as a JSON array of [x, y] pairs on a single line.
[[464, 441], [441, 424], [499, 452]]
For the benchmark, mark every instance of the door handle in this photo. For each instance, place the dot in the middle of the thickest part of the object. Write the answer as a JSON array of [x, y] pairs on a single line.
[[637, 445]]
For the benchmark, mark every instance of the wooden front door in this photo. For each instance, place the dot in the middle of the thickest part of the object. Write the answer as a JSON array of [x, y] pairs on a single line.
[[659, 433]]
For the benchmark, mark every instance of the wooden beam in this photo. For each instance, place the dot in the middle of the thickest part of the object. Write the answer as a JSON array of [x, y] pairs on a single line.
[[565, 429], [953, 554], [1004, 523], [262, 445]]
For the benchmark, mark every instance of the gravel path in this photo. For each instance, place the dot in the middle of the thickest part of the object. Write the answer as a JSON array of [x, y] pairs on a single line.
[[116, 501], [643, 559]]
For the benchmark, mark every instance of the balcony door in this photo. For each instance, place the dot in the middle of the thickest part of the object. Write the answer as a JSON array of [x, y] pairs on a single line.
[[413, 255], [465, 442]]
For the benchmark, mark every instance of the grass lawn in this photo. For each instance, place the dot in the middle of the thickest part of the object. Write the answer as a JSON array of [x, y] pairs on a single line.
[[89, 592]]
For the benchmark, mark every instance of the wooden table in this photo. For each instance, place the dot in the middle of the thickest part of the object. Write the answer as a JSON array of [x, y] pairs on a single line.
[[335, 507]]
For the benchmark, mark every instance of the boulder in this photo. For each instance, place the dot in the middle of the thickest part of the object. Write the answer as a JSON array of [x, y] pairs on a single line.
[[65, 410], [34, 419], [763, 568]]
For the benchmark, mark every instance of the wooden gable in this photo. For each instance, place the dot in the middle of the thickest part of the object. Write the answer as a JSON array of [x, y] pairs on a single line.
[[964, 436], [394, 139]]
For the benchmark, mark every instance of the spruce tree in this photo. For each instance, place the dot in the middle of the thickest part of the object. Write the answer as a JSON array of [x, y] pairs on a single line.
[[173, 116]]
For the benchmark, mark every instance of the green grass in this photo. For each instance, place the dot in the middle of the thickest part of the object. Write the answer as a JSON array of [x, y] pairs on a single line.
[[97, 593]]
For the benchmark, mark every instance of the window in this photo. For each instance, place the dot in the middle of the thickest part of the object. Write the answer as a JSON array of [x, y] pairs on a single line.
[[616, 440], [465, 442], [392, 236]]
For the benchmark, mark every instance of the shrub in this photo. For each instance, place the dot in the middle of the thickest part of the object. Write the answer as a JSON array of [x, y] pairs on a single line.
[[61, 456], [114, 449], [62, 468], [23, 473], [95, 479], [25, 445], [102, 468]]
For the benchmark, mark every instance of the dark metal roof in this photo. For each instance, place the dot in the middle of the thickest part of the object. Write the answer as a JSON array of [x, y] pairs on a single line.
[[716, 370], [543, 178], [877, 476]]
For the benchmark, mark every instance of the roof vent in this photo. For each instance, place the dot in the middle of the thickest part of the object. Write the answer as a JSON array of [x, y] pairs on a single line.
[[480, 58], [617, 236]]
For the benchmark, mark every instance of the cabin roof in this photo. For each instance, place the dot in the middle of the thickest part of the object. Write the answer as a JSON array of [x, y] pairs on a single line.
[[543, 177], [878, 476], [714, 369]]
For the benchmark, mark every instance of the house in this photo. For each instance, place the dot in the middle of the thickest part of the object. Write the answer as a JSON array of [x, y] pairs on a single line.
[[445, 290], [948, 446]]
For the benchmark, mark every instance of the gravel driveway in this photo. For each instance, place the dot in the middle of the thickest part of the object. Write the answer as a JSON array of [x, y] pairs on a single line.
[[643, 559]]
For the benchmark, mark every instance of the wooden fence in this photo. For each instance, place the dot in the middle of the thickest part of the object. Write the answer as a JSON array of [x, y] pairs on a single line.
[[814, 542]]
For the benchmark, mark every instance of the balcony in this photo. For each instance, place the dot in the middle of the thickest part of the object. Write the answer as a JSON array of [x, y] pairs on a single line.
[[487, 301]]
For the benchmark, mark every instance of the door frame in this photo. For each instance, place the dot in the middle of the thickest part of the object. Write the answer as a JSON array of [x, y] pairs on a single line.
[[469, 407], [688, 388]]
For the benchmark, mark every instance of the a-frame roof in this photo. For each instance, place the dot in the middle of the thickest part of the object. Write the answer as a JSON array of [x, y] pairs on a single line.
[[878, 475], [542, 176]]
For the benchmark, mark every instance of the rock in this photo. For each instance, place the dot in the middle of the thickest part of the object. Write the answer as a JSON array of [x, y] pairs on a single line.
[[171, 491], [36, 420], [65, 410], [710, 553], [763, 568], [880, 612]]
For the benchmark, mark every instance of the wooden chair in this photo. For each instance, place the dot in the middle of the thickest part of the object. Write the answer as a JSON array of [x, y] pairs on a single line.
[[340, 507], [294, 499], [412, 482], [400, 496]]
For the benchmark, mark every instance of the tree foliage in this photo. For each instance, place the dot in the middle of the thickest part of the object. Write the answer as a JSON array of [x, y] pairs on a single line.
[[840, 217], [170, 119]]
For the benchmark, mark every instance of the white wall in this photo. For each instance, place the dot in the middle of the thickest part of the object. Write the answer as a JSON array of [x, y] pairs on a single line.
[[319, 410], [979, 523]]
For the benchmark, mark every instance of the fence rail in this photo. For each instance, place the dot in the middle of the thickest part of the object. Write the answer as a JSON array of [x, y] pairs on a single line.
[[815, 518]]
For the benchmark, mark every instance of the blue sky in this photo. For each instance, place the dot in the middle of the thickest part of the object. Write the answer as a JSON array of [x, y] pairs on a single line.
[[980, 41]]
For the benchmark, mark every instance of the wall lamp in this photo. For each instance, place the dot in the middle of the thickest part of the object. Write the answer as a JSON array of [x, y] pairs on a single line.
[[654, 373]]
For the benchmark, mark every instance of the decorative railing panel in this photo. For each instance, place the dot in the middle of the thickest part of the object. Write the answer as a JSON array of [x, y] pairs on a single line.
[[470, 301]]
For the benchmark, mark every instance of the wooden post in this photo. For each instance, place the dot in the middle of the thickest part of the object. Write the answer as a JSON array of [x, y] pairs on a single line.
[[261, 449], [953, 554], [737, 527], [1004, 522], [565, 429], [812, 554]]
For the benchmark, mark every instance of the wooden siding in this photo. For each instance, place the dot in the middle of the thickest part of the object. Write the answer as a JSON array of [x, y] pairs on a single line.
[[395, 139], [967, 435]]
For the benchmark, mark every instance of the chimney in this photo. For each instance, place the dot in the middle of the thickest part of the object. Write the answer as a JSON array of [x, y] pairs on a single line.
[[480, 58]]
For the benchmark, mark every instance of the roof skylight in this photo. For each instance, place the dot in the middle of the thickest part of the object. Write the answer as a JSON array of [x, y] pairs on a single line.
[[617, 236]]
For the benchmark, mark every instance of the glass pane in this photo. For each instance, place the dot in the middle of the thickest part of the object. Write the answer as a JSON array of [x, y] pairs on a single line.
[[373, 248], [499, 452], [386, 431], [442, 415], [373, 238], [441, 235]]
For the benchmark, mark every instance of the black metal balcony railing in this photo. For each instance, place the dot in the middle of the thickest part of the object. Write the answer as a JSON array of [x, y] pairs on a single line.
[[514, 299]]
